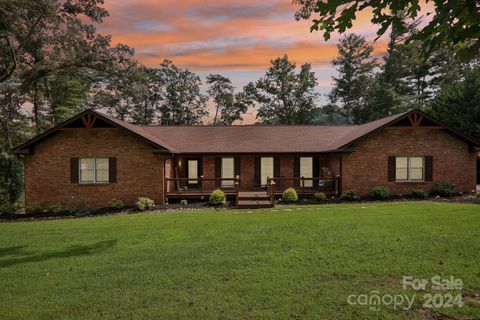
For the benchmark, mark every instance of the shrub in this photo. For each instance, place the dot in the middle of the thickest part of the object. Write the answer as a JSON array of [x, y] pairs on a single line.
[[290, 195], [144, 203], [320, 196], [477, 195], [34, 208], [7, 209], [443, 189], [217, 197], [184, 202], [380, 193], [350, 195], [419, 193], [117, 204], [58, 209]]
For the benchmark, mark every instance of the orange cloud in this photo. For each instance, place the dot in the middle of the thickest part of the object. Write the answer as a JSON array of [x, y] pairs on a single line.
[[220, 35]]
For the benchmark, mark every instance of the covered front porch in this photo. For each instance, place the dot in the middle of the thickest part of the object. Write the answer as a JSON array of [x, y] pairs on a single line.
[[196, 176]]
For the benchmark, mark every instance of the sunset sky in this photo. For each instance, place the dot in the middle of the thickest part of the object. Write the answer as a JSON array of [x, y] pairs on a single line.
[[234, 38]]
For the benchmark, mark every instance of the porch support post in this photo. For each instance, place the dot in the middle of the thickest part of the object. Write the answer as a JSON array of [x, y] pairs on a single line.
[[201, 186], [303, 186]]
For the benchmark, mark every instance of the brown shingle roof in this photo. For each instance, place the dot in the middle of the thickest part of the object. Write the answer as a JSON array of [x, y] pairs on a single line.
[[264, 139], [247, 139]]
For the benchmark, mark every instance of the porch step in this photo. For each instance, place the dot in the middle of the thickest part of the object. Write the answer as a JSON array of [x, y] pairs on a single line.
[[251, 204], [247, 195], [253, 200]]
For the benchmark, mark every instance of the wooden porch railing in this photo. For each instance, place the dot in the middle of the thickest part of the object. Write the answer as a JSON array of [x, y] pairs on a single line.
[[201, 187], [317, 185]]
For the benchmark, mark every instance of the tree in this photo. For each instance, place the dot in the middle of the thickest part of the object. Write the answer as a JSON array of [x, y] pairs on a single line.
[[453, 22], [355, 69], [120, 88], [149, 97], [181, 99], [228, 106], [44, 39], [459, 104], [11, 179], [13, 122], [284, 96], [328, 114]]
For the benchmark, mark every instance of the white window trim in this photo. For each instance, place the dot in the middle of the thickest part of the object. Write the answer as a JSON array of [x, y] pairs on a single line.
[[409, 168], [94, 171]]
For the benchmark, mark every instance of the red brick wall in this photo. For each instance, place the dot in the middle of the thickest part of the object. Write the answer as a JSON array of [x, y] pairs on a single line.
[[367, 166], [47, 171]]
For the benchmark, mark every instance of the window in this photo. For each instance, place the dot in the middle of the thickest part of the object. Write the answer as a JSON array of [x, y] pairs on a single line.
[[306, 170], [266, 170], [228, 171], [94, 170], [193, 171], [409, 169]]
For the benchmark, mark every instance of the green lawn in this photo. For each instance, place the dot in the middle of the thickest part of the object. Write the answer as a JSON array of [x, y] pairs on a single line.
[[283, 263]]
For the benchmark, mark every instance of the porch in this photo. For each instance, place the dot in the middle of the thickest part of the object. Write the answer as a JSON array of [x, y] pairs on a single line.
[[251, 177]]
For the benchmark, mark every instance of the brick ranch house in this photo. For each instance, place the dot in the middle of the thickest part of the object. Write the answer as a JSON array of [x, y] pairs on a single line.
[[92, 158]]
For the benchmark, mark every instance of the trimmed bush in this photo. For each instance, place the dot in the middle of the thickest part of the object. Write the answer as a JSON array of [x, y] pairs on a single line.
[[419, 193], [290, 195], [184, 202], [144, 203], [34, 208], [443, 189], [380, 193], [58, 209], [217, 198], [320, 196], [117, 204], [477, 195], [350, 195], [7, 209]]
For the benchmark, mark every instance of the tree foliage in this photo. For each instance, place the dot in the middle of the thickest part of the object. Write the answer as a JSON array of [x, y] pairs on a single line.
[[284, 96], [11, 179], [355, 67], [181, 99], [459, 105], [229, 106], [453, 22]]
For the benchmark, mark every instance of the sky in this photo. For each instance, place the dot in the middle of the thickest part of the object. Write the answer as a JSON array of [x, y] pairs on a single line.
[[230, 37]]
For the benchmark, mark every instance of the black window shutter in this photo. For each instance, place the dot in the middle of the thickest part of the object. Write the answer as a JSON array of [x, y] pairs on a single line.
[[200, 167], [218, 171], [428, 168], [112, 170], [237, 165], [391, 168], [296, 171], [276, 167], [316, 166], [74, 170], [256, 178]]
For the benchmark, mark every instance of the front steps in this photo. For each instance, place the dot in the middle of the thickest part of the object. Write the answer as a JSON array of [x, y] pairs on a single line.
[[253, 200]]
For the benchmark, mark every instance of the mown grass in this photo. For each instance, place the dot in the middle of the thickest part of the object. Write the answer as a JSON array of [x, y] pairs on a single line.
[[286, 263]]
